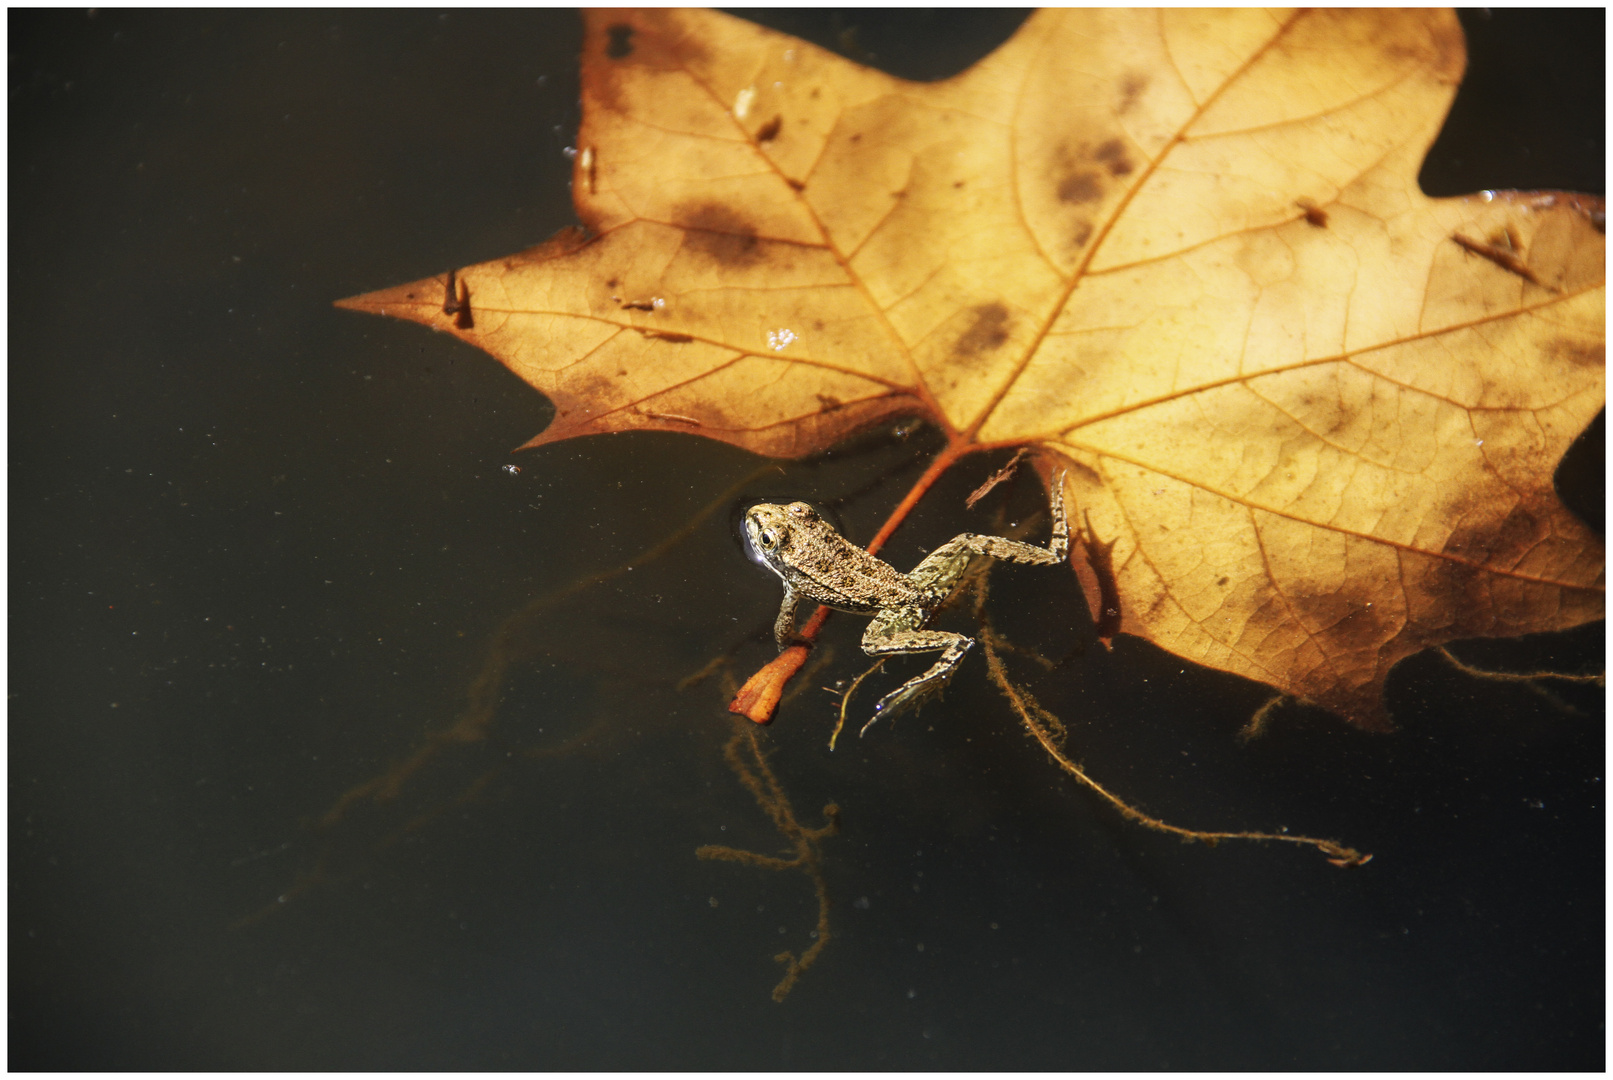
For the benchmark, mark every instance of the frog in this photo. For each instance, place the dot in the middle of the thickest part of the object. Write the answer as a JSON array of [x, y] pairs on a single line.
[[816, 563]]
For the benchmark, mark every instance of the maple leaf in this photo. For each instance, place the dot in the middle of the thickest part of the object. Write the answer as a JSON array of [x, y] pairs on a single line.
[[1311, 414]]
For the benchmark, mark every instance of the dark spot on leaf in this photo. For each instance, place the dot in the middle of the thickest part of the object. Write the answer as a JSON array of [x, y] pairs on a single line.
[[957, 183], [1083, 233], [1131, 88], [1364, 628], [1112, 154], [1581, 353], [620, 45], [1081, 187], [1223, 581], [769, 131], [988, 332], [1519, 533], [857, 137], [1408, 42], [1314, 215], [720, 234], [1161, 600], [593, 395], [1354, 630], [794, 183]]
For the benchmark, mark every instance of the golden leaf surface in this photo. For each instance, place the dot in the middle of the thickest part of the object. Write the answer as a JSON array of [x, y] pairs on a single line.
[[1182, 253]]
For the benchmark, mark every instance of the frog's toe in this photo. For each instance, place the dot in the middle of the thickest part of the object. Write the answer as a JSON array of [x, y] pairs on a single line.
[[910, 695]]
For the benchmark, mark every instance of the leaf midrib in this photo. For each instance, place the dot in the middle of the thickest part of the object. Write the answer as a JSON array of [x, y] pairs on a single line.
[[972, 429]]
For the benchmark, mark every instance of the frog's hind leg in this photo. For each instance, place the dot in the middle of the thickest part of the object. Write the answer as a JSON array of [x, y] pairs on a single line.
[[946, 564], [898, 631]]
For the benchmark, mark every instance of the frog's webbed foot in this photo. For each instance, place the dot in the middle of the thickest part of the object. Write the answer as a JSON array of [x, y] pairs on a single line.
[[891, 633]]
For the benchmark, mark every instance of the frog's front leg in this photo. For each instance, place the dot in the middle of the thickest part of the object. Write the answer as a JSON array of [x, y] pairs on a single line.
[[784, 625], [899, 630]]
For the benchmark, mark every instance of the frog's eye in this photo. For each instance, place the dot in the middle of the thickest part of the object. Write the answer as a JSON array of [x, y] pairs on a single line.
[[766, 538]]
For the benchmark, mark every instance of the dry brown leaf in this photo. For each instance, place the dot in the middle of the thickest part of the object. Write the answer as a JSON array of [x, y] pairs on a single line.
[[1181, 253]]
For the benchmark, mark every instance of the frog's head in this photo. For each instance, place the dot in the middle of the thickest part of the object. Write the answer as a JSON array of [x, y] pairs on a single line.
[[768, 527]]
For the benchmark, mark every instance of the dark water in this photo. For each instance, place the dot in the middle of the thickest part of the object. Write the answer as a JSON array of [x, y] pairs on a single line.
[[261, 549]]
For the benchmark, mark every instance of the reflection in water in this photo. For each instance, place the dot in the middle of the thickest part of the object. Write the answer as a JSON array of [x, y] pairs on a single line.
[[537, 632], [517, 642], [521, 639], [744, 755]]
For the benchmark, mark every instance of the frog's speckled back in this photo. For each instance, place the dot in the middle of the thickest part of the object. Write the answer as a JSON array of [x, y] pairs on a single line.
[[816, 561]]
